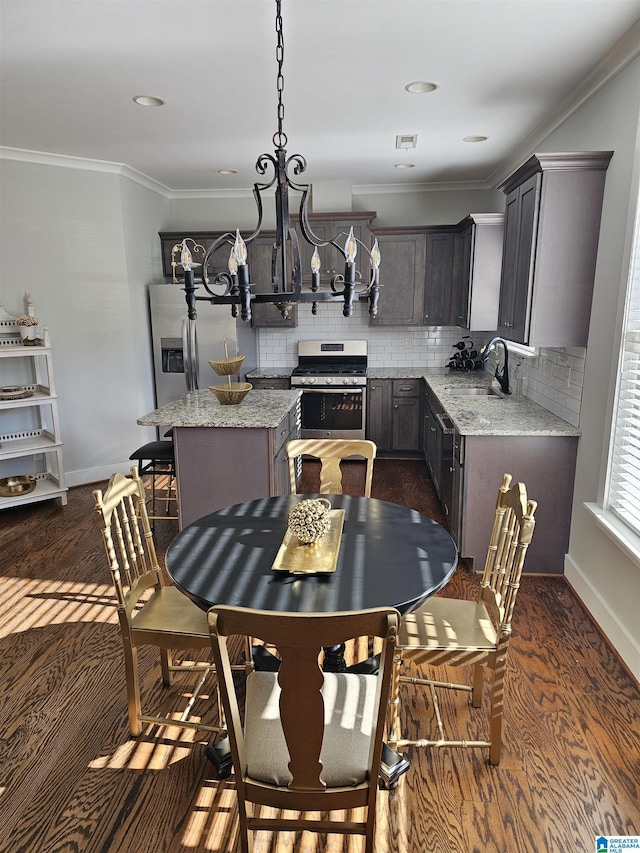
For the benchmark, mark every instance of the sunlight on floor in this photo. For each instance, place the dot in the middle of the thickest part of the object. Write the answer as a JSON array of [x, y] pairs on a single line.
[[31, 603], [166, 745], [213, 817]]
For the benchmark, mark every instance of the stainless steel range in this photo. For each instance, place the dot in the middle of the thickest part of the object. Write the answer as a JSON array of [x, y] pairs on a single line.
[[333, 379]]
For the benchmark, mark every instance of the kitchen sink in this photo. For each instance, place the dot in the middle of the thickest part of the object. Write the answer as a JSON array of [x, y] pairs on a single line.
[[473, 392]]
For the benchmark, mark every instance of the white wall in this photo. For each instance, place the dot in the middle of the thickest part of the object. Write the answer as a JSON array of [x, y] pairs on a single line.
[[607, 581], [81, 242]]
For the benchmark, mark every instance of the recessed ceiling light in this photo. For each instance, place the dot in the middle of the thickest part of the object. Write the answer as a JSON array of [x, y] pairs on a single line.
[[149, 101], [404, 165], [227, 171], [421, 87], [475, 138]]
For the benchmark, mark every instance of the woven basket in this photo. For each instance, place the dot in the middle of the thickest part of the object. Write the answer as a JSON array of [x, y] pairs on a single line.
[[228, 366], [231, 394]]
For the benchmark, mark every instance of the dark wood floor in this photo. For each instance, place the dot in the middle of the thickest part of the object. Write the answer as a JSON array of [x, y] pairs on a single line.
[[71, 778]]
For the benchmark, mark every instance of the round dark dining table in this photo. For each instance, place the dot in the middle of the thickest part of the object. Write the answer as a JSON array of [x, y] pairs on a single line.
[[389, 556]]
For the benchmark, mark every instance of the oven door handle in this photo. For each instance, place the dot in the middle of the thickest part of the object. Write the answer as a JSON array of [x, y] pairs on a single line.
[[353, 389]]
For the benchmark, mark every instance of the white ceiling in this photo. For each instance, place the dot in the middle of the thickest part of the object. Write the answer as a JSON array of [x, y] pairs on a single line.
[[506, 69]]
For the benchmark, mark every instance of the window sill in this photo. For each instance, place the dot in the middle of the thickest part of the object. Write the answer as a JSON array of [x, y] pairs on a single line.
[[617, 531]]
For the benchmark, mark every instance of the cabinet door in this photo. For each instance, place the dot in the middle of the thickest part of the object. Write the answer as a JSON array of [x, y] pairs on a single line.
[[402, 276], [457, 485], [438, 284], [429, 439], [331, 259], [521, 222], [463, 252], [219, 262], [334, 259], [259, 258], [406, 424], [378, 427]]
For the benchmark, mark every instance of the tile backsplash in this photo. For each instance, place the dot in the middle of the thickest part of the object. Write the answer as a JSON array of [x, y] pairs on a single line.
[[553, 378]]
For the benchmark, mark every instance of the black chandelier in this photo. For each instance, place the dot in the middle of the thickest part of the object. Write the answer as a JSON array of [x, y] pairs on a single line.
[[286, 285]]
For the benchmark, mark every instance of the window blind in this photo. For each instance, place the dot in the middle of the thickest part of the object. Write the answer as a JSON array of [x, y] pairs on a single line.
[[624, 466]]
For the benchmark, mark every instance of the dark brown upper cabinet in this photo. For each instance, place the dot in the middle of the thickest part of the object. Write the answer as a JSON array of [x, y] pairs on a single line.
[[552, 225]]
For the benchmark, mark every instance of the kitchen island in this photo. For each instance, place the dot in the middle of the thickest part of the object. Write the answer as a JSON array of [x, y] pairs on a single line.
[[228, 454]]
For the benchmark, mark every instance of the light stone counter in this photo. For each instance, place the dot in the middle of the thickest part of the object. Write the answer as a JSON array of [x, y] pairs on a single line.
[[258, 410], [476, 415], [493, 415]]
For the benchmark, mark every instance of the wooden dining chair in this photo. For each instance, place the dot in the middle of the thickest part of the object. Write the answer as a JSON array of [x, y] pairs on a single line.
[[150, 611], [331, 452], [457, 632], [311, 740]]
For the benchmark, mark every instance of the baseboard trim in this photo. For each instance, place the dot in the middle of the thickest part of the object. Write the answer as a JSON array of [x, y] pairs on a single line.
[[94, 475], [622, 643]]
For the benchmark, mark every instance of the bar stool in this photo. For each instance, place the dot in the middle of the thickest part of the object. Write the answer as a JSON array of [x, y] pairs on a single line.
[[156, 459]]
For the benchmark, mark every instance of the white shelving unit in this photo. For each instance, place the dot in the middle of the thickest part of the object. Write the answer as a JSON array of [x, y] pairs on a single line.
[[30, 441]]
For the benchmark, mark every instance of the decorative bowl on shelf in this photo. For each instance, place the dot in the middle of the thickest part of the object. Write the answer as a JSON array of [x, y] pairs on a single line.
[[11, 487], [227, 366], [232, 393], [15, 392]]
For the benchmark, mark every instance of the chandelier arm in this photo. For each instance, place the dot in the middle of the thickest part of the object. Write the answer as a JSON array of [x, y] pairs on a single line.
[[228, 238], [257, 188], [305, 226], [296, 269]]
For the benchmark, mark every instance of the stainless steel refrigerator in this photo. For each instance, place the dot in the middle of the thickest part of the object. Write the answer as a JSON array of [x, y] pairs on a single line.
[[182, 349]]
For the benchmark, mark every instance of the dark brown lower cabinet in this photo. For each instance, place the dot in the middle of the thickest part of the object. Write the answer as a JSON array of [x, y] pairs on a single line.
[[393, 415], [545, 464]]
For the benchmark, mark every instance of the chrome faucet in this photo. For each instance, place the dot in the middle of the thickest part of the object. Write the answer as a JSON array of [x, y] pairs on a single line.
[[501, 374]]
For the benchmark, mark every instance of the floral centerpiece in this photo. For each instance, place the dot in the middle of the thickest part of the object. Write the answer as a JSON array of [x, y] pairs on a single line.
[[27, 320], [27, 326]]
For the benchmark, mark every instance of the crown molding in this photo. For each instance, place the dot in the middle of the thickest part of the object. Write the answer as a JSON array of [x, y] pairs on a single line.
[[44, 158], [624, 52], [242, 192], [422, 187]]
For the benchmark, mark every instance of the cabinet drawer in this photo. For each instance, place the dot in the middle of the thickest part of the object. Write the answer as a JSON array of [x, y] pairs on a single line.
[[275, 383], [406, 387]]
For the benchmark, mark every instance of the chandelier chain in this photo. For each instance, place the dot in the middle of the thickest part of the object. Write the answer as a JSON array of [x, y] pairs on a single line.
[[279, 138]]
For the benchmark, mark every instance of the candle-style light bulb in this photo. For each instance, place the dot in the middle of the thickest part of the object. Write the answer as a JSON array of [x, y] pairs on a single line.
[[240, 248], [233, 262], [375, 256], [350, 247], [315, 261], [186, 260]]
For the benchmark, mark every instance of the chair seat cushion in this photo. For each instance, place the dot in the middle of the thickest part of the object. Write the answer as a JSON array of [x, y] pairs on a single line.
[[349, 703], [170, 611], [447, 623], [161, 451]]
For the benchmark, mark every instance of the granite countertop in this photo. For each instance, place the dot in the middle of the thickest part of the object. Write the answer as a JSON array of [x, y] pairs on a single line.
[[269, 374], [395, 373], [500, 415], [258, 410]]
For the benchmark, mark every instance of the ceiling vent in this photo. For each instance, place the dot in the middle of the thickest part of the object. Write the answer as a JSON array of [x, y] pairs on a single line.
[[404, 141]]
